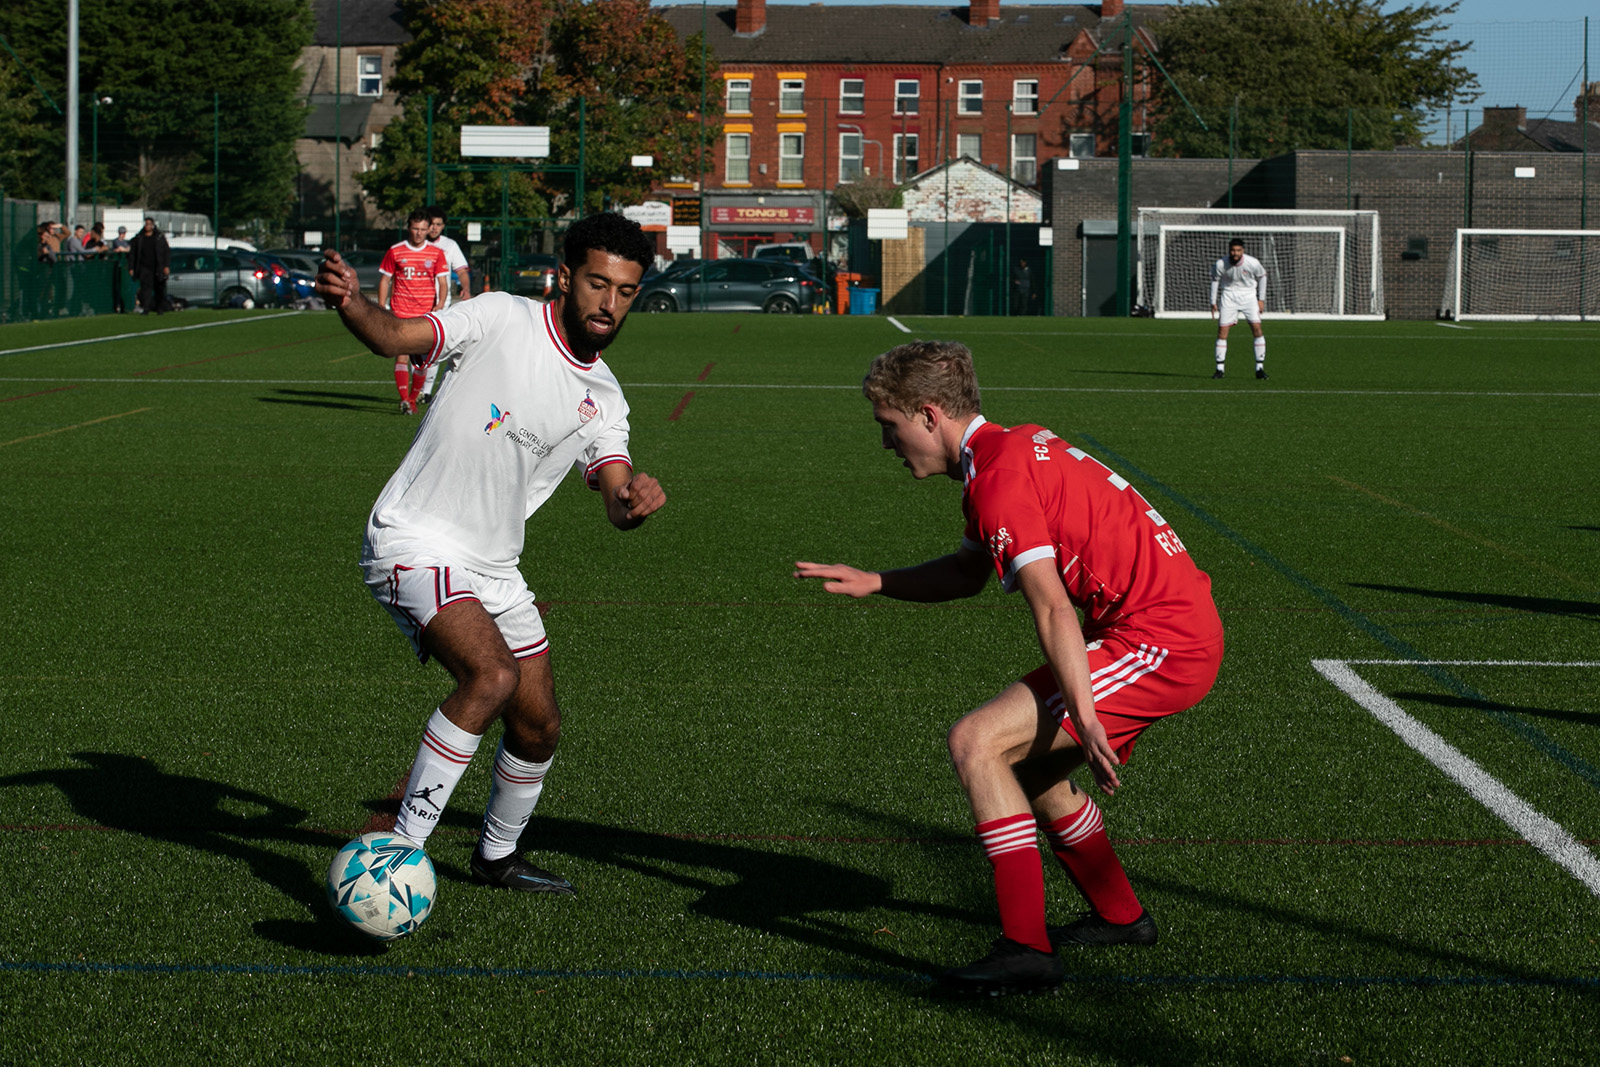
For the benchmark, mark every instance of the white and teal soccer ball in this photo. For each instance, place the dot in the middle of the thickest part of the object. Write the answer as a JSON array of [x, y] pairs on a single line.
[[382, 884]]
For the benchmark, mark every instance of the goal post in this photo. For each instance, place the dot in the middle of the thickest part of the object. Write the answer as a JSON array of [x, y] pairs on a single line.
[[1319, 264], [1523, 276]]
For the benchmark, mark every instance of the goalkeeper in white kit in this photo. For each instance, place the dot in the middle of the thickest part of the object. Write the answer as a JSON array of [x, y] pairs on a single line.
[[1243, 284]]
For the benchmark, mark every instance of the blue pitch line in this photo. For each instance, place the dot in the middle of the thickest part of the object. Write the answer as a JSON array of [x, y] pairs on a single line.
[[1191, 980], [1527, 731]]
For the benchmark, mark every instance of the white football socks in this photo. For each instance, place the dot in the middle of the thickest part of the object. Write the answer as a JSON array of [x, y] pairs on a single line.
[[442, 758], [512, 796], [1222, 353], [1261, 352]]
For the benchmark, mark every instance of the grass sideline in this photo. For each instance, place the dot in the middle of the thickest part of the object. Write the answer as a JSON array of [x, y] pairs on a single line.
[[752, 794]]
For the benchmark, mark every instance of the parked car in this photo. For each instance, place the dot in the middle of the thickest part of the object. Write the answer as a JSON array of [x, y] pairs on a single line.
[[797, 252], [223, 278], [365, 261], [535, 275], [768, 285], [308, 260]]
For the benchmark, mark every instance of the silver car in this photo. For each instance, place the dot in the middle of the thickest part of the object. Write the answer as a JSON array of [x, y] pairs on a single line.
[[219, 278]]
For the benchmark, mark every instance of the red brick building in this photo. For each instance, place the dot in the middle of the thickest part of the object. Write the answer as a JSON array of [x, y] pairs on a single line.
[[815, 97]]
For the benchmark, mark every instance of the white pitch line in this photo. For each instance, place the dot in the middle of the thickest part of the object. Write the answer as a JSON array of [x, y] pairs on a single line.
[[144, 333], [1470, 663], [1452, 326], [1544, 834], [902, 327]]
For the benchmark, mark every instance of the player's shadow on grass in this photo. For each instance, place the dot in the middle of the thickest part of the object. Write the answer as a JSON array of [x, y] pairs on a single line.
[[1582, 718], [1539, 605], [769, 889], [134, 795], [313, 398]]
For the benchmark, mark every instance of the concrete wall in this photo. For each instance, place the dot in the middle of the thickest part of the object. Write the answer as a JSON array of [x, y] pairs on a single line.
[[1421, 197]]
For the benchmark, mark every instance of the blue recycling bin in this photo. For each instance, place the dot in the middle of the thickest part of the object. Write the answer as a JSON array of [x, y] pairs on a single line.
[[863, 301]]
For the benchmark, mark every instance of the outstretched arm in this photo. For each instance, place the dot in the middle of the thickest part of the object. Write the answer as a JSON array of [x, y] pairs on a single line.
[[374, 327], [630, 497], [963, 573], [1061, 638]]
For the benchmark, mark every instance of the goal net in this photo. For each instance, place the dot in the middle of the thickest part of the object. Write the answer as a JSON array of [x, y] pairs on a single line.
[[1523, 275], [1319, 264]]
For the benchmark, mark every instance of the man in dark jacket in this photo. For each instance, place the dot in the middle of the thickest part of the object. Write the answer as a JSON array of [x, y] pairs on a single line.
[[149, 261]]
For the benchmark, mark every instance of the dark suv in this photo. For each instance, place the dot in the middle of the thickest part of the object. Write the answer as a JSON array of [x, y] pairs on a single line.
[[734, 285]]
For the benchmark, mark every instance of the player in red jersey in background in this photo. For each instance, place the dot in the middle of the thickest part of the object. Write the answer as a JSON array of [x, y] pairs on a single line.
[[414, 278], [1073, 536]]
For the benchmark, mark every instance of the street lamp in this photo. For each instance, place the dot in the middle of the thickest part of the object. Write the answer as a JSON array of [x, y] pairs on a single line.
[[94, 171]]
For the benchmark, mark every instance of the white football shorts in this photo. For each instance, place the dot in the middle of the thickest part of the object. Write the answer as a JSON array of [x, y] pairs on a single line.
[[413, 591], [1234, 307]]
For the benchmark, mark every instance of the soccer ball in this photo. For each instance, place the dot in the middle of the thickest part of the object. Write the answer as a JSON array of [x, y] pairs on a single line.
[[382, 884]]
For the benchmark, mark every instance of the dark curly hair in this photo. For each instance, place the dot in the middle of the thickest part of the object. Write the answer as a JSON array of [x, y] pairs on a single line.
[[608, 232]]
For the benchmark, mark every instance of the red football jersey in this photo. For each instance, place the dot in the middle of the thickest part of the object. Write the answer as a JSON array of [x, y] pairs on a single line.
[[416, 277], [1029, 494]]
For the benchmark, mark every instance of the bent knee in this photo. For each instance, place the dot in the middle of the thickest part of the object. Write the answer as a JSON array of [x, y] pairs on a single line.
[[493, 683]]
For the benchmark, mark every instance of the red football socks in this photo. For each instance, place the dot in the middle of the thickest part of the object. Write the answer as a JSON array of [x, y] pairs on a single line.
[[1079, 841], [402, 381], [419, 378], [1012, 845]]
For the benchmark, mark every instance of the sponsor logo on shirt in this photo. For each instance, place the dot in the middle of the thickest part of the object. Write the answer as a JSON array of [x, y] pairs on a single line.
[[998, 541], [587, 408], [521, 437], [496, 417]]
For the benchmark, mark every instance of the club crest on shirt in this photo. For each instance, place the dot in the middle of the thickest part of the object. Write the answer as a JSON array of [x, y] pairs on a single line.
[[496, 417], [587, 408], [998, 542]]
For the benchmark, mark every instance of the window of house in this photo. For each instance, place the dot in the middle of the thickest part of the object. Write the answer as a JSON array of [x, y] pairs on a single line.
[[906, 93], [969, 100], [791, 157], [970, 145], [792, 95], [1025, 98], [1141, 145], [1081, 145], [738, 156], [852, 96], [738, 97], [1025, 158], [905, 156], [369, 75], [849, 157]]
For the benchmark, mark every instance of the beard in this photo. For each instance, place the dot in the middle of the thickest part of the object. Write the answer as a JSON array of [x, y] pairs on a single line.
[[578, 333]]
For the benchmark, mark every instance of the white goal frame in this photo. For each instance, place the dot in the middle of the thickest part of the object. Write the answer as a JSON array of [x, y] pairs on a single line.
[[1154, 231], [1451, 306]]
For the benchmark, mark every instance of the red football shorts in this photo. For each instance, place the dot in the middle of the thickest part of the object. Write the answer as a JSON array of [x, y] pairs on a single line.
[[1134, 685]]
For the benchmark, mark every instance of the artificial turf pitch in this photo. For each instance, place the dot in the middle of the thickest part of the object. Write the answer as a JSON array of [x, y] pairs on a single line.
[[752, 796]]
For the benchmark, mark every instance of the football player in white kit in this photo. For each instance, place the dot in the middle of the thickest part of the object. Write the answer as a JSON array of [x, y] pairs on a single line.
[[1243, 282], [529, 399], [457, 261]]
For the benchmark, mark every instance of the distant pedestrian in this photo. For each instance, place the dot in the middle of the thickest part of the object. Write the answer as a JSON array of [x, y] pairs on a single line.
[[1021, 289], [117, 251], [149, 261]]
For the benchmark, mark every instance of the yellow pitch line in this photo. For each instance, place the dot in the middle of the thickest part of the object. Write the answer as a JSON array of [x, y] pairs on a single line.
[[1458, 531], [79, 426], [343, 359]]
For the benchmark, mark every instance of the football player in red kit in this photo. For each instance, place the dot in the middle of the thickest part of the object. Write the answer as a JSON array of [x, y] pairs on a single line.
[[413, 279], [1073, 536]]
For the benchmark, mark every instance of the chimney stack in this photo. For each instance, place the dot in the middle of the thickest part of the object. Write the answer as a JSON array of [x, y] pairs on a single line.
[[751, 18], [1111, 9], [983, 12]]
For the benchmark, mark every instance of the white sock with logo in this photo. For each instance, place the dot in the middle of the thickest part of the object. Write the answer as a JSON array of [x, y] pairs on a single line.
[[442, 759], [1222, 353], [1261, 352], [512, 796]]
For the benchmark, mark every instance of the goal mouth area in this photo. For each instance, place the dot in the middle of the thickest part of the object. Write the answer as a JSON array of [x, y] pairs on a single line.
[[1310, 270], [1508, 275]]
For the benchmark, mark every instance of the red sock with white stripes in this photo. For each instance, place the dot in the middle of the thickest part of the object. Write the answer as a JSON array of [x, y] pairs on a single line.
[[516, 788], [1079, 841], [1012, 845], [402, 381], [442, 759]]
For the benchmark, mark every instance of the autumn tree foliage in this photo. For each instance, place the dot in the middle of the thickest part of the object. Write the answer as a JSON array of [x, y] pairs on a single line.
[[609, 71]]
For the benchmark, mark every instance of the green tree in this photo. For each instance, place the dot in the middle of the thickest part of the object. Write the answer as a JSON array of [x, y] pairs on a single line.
[[1303, 74], [530, 62], [163, 65]]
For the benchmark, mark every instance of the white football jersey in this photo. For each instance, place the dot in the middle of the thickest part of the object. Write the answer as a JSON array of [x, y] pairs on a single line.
[[455, 258], [521, 410], [1240, 279]]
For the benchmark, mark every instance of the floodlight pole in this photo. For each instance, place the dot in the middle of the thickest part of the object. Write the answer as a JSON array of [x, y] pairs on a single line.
[[69, 211]]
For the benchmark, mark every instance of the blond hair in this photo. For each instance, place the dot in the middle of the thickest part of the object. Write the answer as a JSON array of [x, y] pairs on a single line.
[[924, 372]]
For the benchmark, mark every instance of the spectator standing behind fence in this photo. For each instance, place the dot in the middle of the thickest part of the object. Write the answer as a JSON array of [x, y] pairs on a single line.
[[49, 262], [1021, 289], [149, 260], [118, 253]]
